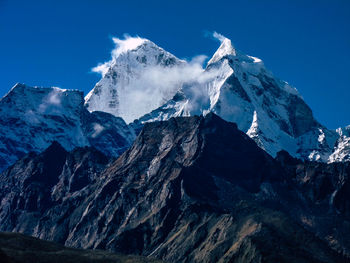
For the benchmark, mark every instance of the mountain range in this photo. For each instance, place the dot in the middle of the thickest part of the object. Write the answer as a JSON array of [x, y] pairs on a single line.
[[144, 83], [235, 86], [171, 160]]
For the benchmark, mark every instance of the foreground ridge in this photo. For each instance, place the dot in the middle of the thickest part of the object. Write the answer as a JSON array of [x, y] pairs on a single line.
[[18, 248], [190, 189]]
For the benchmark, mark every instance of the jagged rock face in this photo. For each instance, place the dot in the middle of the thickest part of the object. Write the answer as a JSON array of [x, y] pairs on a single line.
[[192, 189], [31, 118], [37, 183], [107, 133], [323, 192]]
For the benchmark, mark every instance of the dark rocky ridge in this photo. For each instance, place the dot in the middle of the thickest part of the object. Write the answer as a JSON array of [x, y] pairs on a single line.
[[18, 248], [189, 190]]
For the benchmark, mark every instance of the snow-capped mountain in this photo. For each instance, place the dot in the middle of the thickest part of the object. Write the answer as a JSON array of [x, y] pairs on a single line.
[[143, 82], [235, 86], [31, 118], [127, 88]]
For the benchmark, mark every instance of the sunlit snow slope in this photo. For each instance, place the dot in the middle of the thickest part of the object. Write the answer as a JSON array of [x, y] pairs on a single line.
[[132, 82], [145, 83]]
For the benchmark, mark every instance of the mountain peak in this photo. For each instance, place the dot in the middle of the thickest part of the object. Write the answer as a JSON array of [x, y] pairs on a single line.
[[21, 89], [41, 99], [226, 48], [132, 77], [127, 44], [55, 148], [17, 88]]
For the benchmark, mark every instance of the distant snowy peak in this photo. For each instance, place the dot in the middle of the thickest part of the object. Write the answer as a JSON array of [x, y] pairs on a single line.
[[31, 118], [127, 88], [43, 100], [143, 82]]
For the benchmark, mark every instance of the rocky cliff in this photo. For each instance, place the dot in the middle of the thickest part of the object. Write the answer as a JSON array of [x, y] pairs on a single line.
[[191, 189]]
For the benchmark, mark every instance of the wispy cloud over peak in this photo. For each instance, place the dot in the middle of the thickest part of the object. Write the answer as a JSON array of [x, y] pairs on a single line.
[[126, 44], [219, 36], [122, 45]]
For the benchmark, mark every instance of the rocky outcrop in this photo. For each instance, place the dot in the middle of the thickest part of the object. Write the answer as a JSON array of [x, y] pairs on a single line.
[[37, 184], [191, 189]]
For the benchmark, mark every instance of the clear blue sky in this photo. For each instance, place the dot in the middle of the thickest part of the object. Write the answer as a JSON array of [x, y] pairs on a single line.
[[305, 42]]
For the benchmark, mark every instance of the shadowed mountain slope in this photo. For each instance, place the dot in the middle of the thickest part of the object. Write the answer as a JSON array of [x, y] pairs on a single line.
[[191, 189], [18, 248]]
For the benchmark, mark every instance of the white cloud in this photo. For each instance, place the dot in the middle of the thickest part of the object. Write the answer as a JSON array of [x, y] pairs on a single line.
[[52, 100], [218, 36], [121, 46], [101, 68], [200, 59], [128, 43], [54, 96], [157, 84], [31, 117]]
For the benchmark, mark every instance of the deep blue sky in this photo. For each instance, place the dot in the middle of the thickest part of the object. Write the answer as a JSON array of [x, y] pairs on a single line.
[[307, 43]]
